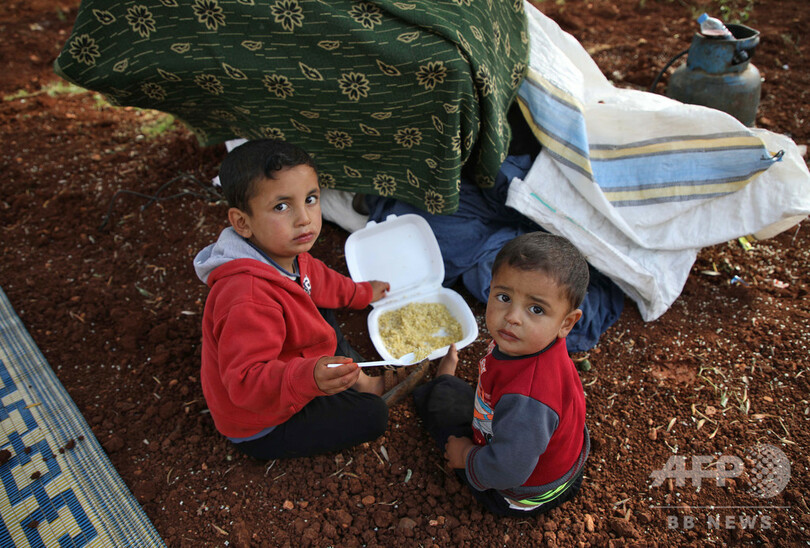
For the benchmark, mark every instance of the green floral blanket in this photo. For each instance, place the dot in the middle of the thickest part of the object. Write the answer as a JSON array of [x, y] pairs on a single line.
[[391, 97]]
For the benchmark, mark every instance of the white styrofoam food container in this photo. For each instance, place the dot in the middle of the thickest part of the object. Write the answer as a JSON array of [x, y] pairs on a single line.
[[403, 251]]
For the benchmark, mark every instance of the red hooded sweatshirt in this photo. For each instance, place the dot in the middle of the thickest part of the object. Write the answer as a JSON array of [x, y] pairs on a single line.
[[262, 334]]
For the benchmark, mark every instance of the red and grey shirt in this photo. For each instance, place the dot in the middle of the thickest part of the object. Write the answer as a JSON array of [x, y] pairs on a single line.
[[528, 424]]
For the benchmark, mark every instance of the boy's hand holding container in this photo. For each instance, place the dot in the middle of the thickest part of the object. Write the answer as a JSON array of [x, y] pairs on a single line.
[[379, 289]]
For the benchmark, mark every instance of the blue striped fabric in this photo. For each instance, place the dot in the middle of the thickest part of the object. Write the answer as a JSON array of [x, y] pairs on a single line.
[[557, 121], [48, 497], [670, 168]]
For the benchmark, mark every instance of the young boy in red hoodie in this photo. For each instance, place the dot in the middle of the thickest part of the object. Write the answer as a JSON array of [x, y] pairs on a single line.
[[268, 329], [519, 440]]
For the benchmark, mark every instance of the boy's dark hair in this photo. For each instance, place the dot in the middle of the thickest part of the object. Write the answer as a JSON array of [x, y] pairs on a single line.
[[255, 160], [554, 256]]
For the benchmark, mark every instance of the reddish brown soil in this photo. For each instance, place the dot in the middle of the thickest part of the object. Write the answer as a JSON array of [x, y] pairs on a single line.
[[116, 312]]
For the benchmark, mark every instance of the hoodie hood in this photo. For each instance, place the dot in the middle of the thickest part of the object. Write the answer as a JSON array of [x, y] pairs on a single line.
[[228, 247]]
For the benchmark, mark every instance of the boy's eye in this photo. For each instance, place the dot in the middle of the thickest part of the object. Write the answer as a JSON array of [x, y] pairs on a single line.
[[281, 207], [501, 297], [311, 200], [536, 310]]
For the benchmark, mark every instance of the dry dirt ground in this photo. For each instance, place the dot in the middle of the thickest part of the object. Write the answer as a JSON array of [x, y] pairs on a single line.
[[116, 312]]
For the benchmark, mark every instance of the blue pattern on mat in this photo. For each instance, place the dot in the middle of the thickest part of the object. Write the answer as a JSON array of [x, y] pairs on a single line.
[[57, 486]]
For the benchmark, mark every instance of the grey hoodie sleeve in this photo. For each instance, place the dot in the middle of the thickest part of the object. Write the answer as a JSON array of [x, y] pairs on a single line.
[[521, 430]]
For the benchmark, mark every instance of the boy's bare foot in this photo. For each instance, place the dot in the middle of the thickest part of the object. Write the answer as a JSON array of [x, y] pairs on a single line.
[[449, 362], [369, 384]]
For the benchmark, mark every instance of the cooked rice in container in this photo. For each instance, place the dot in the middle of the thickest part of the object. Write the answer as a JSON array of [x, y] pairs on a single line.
[[420, 328]]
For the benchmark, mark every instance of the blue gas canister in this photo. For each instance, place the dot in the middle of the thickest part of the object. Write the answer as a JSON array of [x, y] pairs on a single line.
[[718, 72]]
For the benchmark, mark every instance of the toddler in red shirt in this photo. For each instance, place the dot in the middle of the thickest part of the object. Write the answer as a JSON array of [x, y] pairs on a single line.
[[519, 440]]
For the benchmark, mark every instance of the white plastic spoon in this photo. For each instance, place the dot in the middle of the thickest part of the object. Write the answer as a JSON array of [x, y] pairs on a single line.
[[407, 359]]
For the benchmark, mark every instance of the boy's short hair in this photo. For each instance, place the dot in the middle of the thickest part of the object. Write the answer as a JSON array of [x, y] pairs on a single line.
[[553, 255], [255, 160]]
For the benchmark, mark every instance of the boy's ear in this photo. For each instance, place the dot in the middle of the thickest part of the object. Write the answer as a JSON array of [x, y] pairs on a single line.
[[240, 221], [568, 323]]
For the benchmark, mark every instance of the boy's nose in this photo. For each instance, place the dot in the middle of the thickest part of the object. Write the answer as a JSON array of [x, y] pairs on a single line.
[[303, 217], [511, 317]]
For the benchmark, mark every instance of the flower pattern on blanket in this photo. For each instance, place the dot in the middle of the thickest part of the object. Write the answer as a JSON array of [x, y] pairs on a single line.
[[390, 97]]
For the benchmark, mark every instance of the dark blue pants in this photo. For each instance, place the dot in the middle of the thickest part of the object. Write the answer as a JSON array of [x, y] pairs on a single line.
[[327, 423]]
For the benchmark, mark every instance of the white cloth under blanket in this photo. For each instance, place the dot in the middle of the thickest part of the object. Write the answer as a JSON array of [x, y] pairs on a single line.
[[640, 182]]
